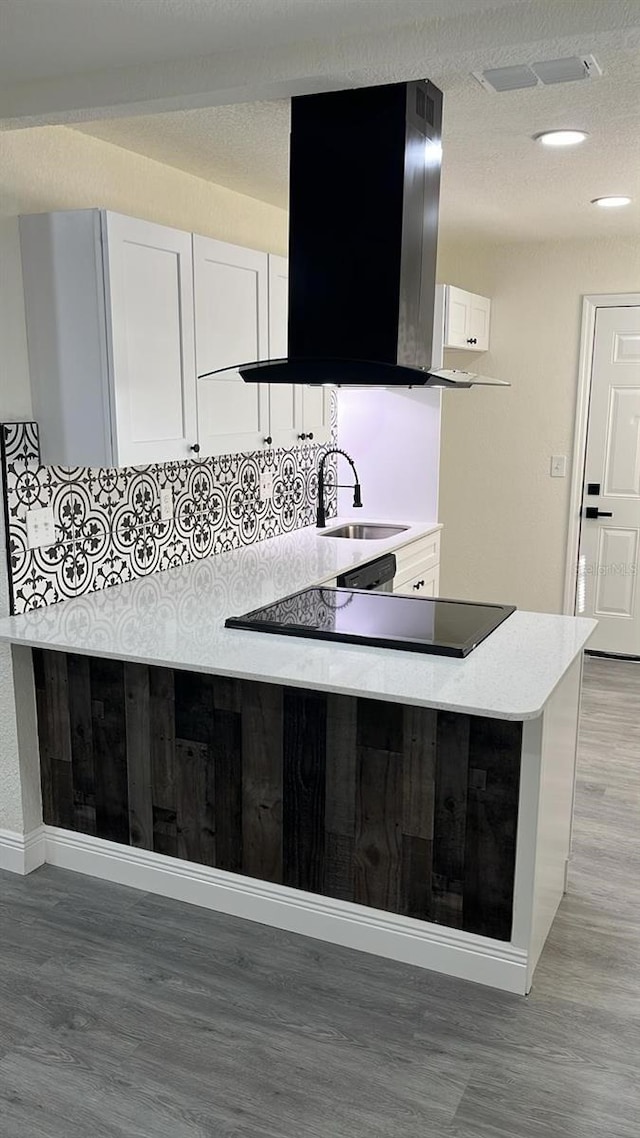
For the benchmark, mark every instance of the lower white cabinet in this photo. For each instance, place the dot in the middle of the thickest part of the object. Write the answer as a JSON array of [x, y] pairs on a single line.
[[418, 567], [424, 584]]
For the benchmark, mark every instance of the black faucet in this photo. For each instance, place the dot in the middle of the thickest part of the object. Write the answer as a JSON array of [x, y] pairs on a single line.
[[321, 520]]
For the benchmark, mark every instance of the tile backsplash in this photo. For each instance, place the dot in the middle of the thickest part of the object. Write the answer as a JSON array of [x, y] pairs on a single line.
[[108, 525]]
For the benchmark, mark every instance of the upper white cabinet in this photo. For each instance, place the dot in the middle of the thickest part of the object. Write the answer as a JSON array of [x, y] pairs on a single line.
[[285, 399], [125, 317], [297, 413], [466, 319], [109, 310], [232, 326]]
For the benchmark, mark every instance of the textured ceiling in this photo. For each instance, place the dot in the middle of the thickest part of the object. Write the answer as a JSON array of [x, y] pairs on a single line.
[[230, 60], [43, 39], [496, 181]]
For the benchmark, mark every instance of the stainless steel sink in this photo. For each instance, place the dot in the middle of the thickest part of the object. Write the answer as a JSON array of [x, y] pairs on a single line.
[[365, 532]]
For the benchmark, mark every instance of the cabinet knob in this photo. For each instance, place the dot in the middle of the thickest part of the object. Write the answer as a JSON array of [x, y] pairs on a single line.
[[472, 340], [268, 441], [195, 448], [310, 435], [303, 437]]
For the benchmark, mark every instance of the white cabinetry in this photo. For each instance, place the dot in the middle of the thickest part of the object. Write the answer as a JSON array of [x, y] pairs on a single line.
[[298, 413], [231, 319], [466, 319], [418, 567], [109, 310]]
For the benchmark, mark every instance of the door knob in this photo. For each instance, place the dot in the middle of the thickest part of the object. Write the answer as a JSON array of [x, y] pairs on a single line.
[[268, 441], [594, 512], [302, 437], [195, 448], [310, 435]]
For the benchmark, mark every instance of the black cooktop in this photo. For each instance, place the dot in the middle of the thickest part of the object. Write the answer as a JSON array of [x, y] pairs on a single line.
[[387, 620]]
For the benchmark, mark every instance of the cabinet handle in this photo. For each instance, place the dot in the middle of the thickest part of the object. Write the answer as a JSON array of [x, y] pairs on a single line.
[[310, 435], [268, 441], [303, 437], [472, 340], [195, 448]]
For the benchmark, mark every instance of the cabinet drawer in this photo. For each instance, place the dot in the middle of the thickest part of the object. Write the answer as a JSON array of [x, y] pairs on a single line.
[[424, 584], [413, 559]]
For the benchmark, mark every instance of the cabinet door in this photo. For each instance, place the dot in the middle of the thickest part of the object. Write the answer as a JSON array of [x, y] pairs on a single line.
[[457, 318], [478, 327], [231, 307], [316, 413], [149, 287], [285, 399], [424, 584]]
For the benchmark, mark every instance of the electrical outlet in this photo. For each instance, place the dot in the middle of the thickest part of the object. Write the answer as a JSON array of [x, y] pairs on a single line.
[[266, 487], [166, 504], [40, 528], [558, 465]]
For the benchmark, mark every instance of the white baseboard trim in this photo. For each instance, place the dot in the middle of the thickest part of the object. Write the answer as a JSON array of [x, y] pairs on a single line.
[[485, 961], [22, 853]]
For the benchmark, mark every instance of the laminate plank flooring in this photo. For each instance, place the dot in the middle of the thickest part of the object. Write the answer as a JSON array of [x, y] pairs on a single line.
[[124, 1015]]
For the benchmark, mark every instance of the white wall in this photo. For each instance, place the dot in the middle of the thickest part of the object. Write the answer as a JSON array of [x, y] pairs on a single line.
[[58, 168], [505, 519]]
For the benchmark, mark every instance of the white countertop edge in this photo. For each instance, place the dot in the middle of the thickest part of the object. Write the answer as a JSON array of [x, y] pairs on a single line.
[[175, 619]]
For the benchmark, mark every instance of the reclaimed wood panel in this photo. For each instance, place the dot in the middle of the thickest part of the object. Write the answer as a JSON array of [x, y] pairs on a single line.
[[304, 758], [262, 730], [108, 722], [399, 808], [450, 817]]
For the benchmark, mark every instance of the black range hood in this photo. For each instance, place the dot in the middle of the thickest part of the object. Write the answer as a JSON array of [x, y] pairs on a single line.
[[363, 227]]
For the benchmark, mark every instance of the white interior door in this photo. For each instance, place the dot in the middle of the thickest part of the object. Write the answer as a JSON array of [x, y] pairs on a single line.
[[608, 585], [231, 307], [150, 310]]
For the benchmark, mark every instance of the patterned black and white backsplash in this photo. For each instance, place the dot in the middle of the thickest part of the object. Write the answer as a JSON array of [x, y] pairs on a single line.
[[108, 525]]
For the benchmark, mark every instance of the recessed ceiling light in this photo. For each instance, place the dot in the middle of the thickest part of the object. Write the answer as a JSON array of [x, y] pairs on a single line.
[[610, 203], [560, 137]]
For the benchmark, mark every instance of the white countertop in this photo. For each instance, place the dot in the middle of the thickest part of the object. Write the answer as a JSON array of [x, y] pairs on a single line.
[[176, 619]]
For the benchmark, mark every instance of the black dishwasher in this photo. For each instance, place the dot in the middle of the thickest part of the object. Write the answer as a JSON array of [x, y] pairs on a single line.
[[374, 575]]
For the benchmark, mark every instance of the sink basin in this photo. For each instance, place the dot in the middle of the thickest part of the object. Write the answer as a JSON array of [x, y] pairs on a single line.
[[365, 532]]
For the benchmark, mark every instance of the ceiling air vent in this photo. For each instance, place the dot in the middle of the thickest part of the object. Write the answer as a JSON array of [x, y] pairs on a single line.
[[541, 74]]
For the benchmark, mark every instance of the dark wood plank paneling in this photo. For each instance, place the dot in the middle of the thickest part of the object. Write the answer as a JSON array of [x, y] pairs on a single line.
[[194, 811], [340, 797], [84, 774], [492, 810], [287, 785], [377, 854], [138, 743], [380, 725], [304, 758], [452, 765], [162, 742], [53, 708], [224, 788], [108, 722], [416, 896], [418, 801], [262, 781], [194, 706]]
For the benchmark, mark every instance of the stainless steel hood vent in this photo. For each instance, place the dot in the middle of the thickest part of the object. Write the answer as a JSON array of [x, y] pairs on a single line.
[[363, 225]]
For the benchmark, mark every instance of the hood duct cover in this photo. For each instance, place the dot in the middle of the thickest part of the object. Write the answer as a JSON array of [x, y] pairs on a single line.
[[363, 226]]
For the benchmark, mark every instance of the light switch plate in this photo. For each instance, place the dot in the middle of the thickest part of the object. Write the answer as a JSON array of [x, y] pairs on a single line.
[[166, 504], [266, 487], [40, 528], [558, 465]]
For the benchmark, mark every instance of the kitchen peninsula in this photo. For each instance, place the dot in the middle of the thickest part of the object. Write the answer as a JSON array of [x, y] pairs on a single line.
[[414, 806]]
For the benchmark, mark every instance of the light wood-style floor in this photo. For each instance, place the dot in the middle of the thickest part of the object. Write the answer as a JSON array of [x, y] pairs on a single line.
[[124, 1015]]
